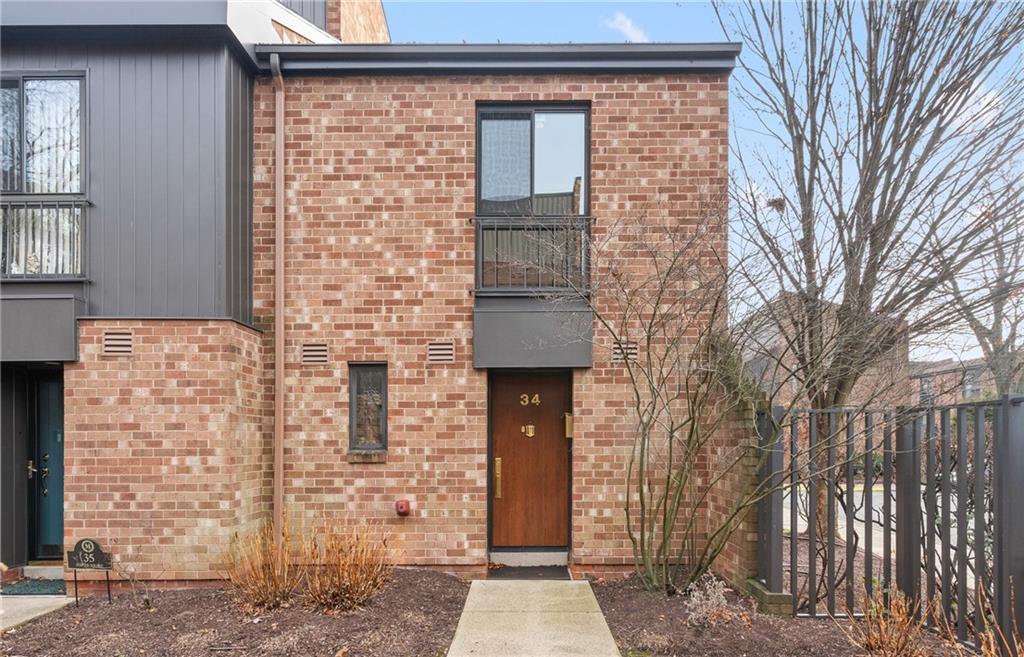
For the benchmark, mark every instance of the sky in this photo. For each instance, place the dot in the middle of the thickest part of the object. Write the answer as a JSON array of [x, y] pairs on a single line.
[[414, 21], [532, 22]]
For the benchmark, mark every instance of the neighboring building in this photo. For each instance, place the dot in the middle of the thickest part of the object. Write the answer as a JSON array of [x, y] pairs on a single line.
[[769, 344], [950, 381], [201, 376]]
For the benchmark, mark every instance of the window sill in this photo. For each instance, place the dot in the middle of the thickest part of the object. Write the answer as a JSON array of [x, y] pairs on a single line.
[[42, 278], [367, 457]]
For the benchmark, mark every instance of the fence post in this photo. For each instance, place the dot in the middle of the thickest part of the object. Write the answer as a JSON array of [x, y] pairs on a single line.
[[1008, 457], [769, 509], [908, 505]]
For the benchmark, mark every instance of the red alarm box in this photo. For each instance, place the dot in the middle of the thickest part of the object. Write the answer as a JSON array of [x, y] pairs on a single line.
[[403, 507]]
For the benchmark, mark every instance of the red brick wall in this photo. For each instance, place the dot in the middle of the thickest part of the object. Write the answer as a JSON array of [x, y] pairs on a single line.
[[166, 450], [380, 188], [358, 21]]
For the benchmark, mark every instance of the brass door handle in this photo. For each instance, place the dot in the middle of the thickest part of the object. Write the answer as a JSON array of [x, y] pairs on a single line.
[[497, 478], [31, 469]]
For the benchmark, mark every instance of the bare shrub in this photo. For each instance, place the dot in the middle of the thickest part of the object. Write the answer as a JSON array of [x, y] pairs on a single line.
[[261, 569], [896, 630], [707, 604], [346, 567]]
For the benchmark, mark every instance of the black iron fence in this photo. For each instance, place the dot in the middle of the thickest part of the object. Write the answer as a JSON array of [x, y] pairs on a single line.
[[535, 254], [926, 501], [42, 238]]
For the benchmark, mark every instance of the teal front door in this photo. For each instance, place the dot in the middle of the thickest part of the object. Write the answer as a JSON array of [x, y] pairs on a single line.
[[48, 473]]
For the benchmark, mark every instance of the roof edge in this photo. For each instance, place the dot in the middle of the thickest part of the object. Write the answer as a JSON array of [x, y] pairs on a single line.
[[354, 59]]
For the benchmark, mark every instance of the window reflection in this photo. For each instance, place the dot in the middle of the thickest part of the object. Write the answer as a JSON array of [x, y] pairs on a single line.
[[52, 136]]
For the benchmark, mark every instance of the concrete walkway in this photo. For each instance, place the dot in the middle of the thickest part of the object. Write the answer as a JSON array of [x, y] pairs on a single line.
[[18, 609], [510, 618]]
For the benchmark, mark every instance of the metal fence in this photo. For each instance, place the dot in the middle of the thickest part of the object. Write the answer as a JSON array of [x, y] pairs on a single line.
[[42, 238], [919, 500]]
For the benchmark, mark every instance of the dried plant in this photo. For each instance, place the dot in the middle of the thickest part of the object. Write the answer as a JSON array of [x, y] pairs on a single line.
[[893, 630], [261, 568], [707, 605], [991, 640], [346, 567]]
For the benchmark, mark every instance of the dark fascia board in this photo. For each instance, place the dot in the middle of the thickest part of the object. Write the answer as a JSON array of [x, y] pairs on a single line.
[[500, 58], [134, 35]]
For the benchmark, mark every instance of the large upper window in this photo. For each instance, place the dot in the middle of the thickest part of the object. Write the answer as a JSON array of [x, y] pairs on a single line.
[[41, 134], [532, 161], [41, 214]]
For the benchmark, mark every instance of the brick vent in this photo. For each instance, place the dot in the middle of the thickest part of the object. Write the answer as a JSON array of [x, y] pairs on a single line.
[[314, 353], [625, 351], [117, 343], [441, 352]]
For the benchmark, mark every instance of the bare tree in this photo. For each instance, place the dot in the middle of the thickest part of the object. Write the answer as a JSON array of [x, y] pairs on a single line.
[[877, 125], [998, 323]]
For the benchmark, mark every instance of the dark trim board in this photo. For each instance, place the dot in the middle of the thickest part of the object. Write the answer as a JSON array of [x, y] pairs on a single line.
[[499, 58]]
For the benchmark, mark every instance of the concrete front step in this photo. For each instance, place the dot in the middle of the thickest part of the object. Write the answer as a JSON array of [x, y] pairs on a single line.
[[531, 558], [532, 619], [43, 572]]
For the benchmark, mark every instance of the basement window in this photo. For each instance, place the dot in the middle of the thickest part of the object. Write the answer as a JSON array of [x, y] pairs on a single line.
[[368, 408]]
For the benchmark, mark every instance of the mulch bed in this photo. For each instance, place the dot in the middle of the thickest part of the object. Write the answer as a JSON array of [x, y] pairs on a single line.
[[650, 624], [414, 616]]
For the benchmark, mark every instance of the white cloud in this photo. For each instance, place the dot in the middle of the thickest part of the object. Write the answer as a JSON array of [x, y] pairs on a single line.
[[622, 23]]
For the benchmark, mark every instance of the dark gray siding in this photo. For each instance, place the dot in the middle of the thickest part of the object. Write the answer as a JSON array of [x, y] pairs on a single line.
[[166, 171], [238, 254], [15, 426], [314, 11]]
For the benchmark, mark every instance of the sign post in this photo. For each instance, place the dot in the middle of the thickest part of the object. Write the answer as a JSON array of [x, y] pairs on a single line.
[[88, 555]]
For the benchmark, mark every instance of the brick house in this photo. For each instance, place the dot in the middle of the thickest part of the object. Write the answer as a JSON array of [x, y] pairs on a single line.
[[275, 280], [948, 382]]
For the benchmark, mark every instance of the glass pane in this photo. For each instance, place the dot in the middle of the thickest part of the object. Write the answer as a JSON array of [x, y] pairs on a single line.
[[368, 407], [539, 256], [559, 178], [41, 241], [52, 136], [10, 135], [505, 164]]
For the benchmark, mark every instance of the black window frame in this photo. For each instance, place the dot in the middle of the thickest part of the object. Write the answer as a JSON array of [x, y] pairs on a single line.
[[354, 368], [82, 76], [568, 107]]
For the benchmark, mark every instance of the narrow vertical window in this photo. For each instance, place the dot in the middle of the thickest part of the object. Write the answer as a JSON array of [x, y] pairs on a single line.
[[368, 407], [10, 135]]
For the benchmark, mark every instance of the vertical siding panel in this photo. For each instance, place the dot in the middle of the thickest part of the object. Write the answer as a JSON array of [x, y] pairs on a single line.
[[159, 232], [191, 165], [144, 188], [167, 141]]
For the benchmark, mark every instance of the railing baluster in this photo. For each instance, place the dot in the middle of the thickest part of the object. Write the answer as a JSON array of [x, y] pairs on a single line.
[[961, 523], [851, 552], [947, 599], [869, 493], [812, 512], [887, 507], [980, 585], [830, 540], [930, 504], [794, 516]]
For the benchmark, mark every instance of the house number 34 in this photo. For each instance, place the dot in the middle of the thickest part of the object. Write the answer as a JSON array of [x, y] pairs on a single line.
[[526, 400]]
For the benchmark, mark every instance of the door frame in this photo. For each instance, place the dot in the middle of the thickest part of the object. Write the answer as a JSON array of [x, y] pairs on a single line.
[[38, 376], [553, 372]]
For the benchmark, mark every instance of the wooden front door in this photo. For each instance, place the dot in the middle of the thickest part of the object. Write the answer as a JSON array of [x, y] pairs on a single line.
[[529, 459]]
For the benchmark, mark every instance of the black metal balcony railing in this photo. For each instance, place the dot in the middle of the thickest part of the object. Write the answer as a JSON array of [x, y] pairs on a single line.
[[42, 238], [531, 255]]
